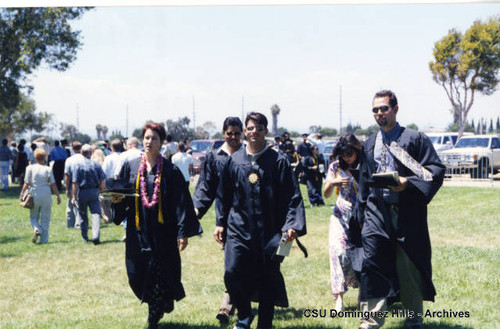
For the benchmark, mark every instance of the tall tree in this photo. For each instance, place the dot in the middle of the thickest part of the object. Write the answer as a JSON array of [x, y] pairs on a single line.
[[498, 124], [23, 118], [178, 129], [28, 38], [98, 128], [104, 132], [467, 63], [275, 111]]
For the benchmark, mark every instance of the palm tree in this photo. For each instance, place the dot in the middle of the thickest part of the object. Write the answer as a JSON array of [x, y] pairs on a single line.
[[98, 128], [275, 111], [105, 132]]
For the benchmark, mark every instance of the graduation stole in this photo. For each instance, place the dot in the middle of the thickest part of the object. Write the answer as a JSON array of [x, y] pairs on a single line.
[[141, 190], [353, 184]]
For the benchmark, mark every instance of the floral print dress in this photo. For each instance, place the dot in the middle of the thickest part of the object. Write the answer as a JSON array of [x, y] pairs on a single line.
[[341, 272]]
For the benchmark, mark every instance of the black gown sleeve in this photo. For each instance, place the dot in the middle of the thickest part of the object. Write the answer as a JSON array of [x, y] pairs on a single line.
[[224, 195], [206, 188]]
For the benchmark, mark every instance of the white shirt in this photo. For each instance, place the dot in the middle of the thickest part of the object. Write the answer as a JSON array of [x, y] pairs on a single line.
[[318, 142], [128, 155], [71, 162], [111, 162], [183, 161]]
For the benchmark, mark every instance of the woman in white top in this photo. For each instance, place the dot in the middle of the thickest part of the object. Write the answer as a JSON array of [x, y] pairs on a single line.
[[41, 180]]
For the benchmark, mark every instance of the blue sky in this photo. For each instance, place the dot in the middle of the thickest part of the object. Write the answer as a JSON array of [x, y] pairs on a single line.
[[154, 60]]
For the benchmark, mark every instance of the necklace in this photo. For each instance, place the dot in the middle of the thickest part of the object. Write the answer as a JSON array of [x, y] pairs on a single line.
[[156, 191]]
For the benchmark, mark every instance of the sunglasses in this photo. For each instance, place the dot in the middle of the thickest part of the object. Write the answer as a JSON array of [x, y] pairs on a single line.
[[257, 128], [383, 108], [230, 134], [347, 154]]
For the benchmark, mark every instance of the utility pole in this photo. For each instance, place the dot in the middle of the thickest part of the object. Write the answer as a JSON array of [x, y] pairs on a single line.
[[77, 117], [340, 111], [243, 108], [126, 121], [194, 116]]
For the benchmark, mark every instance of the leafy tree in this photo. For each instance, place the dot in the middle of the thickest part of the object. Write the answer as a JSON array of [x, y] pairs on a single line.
[[179, 130], [314, 129], [490, 129], [218, 135], [368, 131], [412, 126], [351, 129], [473, 125], [200, 133], [330, 132], [498, 124], [104, 132], [453, 127], [137, 133], [209, 127], [281, 131], [28, 38], [294, 134], [22, 118], [117, 134], [467, 63]]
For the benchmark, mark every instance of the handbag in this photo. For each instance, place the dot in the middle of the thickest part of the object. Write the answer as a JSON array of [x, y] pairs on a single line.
[[27, 200]]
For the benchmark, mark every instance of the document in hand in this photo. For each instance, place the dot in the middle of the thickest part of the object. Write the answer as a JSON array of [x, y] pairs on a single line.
[[383, 180], [284, 246]]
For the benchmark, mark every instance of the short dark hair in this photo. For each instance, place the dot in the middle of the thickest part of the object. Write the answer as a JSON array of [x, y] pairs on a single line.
[[156, 127], [257, 117], [169, 138], [393, 101], [64, 142], [182, 147], [345, 143], [56, 143], [116, 145], [76, 146], [232, 121], [4, 141]]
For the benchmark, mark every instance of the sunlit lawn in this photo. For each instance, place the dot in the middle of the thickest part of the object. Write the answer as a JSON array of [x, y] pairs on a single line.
[[70, 284]]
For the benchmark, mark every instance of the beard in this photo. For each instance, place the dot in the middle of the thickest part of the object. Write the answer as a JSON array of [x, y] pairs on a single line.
[[382, 122]]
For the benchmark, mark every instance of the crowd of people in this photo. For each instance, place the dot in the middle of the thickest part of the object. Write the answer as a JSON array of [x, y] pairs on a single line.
[[378, 235]]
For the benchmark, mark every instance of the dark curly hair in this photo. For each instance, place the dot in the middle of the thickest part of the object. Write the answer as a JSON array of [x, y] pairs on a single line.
[[346, 143]]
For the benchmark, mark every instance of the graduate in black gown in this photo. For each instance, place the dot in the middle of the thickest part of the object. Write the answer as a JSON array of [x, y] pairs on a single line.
[[260, 200], [395, 236], [206, 188], [159, 224], [314, 171]]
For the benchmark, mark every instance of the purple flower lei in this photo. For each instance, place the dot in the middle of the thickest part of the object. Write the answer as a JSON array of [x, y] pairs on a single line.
[[156, 191]]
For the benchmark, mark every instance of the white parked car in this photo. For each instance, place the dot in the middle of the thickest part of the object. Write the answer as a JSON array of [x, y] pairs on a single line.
[[445, 140], [478, 155]]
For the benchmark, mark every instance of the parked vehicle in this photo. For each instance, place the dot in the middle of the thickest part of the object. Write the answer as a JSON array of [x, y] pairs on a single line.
[[478, 155], [328, 152], [445, 140], [201, 147]]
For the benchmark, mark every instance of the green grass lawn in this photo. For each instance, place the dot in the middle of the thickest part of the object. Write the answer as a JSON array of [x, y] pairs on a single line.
[[70, 284]]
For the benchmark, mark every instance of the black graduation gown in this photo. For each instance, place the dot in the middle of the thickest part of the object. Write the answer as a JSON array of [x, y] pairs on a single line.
[[255, 215], [206, 188], [378, 277], [155, 241], [314, 179]]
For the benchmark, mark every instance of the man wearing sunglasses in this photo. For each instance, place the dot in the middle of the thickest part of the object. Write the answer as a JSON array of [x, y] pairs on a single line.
[[261, 204], [395, 237], [206, 188]]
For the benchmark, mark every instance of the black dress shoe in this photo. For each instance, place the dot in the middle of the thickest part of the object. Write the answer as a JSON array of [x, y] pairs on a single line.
[[223, 316], [96, 242]]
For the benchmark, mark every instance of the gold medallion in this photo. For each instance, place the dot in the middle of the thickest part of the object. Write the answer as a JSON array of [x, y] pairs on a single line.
[[253, 178]]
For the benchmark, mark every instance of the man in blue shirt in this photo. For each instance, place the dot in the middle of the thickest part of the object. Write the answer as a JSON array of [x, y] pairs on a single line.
[[88, 179], [59, 156]]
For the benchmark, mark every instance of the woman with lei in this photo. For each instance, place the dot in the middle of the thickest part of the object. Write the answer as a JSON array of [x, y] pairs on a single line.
[[346, 154], [160, 219]]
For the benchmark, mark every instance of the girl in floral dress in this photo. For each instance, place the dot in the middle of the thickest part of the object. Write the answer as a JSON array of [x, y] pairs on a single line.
[[346, 155]]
